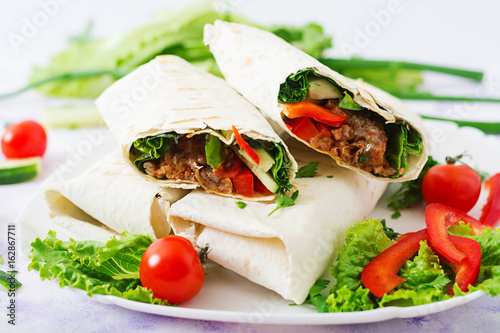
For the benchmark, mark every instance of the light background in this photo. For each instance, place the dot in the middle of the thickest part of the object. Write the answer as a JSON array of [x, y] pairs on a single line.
[[464, 34]]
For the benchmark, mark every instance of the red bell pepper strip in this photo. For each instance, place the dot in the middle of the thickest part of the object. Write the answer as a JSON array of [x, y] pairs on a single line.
[[260, 188], [438, 218], [491, 210], [230, 167], [245, 146], [467, 271], [317, 112], [302, 127], [243, 182], [380, 276]]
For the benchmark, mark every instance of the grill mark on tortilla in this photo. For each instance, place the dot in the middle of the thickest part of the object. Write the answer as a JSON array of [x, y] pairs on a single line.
[[193, 119]]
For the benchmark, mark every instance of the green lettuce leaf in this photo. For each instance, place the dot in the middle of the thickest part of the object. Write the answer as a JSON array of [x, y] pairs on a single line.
[[348, 103], [410, 297], [309, 38], [214, 151], [424, 273], [347, 300], [401, 142], [151, 148], [87, 67], [364, 241], [76, 264]]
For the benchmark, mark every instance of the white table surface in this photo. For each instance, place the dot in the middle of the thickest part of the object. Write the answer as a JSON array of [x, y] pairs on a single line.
[[455, 33]]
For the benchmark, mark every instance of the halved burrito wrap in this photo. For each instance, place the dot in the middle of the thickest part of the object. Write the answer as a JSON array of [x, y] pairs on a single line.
[[108, 199], [360, 127], [181, 127], [290, 249]]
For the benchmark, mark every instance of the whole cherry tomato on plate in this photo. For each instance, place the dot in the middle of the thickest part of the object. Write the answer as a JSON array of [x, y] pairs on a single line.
[[453, 185], [172, 269], [24, 139]]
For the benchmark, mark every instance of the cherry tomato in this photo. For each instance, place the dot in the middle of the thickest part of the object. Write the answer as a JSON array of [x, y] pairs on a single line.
[[24, 139], [171, 268], [457, 186]]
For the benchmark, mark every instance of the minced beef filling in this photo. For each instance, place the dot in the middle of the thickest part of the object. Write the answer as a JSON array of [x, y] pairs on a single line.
[[361, 141], [186, 160]]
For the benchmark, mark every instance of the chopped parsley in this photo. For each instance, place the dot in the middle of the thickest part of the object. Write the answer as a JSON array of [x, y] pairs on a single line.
[[308, 171], [330, 176], [410, 192], [389, 232], [241, 204], [362, 158], [285, 201]]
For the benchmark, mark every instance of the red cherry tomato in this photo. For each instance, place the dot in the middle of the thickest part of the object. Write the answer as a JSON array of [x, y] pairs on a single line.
[[24, 139], [171, 268], [457, 186]]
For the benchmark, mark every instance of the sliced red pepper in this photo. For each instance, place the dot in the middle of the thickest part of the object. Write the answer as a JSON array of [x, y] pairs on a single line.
[[243, 182], [302, 127], [245, 146], [259, 187], [438, 218], [491, 210], [314, 111], [230, 167], [324, 129], [380, 276], [467, 271]]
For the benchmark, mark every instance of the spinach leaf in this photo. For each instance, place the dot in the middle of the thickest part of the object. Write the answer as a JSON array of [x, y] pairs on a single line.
[[215, 151], [152, 148]]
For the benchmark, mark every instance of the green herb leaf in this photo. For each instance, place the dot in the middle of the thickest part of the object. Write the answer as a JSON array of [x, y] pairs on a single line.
[[389, 232], [315, 297], [362, 158], [215, 151], [285, 201], [348, 103], [152, 148], [240, 204], [330, 176], [308, 171], [410, 192], [280, 169]]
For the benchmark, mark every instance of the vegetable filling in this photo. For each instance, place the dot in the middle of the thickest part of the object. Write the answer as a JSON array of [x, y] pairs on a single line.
[[317, 111], [204, 159]]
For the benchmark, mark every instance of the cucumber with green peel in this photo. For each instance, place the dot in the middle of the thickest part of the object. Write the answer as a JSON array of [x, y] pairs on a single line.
[[15, 171], [261, 170], [266, 161], [321, 88]]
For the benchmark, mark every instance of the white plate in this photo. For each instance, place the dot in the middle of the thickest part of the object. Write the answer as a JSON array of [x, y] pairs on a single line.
[[228, 297]]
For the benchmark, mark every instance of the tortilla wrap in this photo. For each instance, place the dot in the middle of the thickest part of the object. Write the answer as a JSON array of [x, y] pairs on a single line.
[[170, 95], [109, 199], [256, 63], [289, 250]]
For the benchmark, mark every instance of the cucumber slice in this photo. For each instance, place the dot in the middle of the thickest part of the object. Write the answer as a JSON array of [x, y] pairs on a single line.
[[266, 161], [321, 88], [267, 180], [19, 170], [72, 117], [261, 170]]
